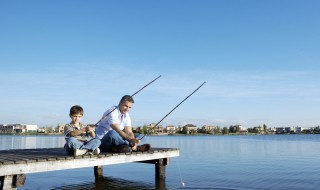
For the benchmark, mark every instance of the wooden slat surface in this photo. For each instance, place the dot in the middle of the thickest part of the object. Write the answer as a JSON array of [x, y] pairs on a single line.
[[48, 159]]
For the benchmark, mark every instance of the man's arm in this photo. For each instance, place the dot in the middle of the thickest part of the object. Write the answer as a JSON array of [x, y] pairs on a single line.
[[121, 133], [134, 142], [129, 132], [129, 136]]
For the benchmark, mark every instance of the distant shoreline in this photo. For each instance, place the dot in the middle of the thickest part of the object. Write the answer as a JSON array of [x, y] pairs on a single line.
[[32, 134], [177, 134]]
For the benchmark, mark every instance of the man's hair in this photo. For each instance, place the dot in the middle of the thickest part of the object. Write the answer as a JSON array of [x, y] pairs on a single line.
[[76, 110], [127, 98]]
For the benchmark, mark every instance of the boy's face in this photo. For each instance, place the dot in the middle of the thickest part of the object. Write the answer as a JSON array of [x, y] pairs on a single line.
[[75, 118], [125, 107]]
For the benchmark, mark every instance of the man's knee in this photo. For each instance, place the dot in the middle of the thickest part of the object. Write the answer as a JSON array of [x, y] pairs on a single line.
[[113, 133], [97, 142]]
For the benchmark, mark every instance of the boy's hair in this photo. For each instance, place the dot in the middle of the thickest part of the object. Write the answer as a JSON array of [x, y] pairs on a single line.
[[76, 110], [127, 98]]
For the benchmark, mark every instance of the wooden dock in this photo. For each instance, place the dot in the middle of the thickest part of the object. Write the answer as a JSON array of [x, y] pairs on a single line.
[[14, 164]]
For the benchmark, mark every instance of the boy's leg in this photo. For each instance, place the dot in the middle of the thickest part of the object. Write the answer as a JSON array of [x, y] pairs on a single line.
[[92, 144], [72, 144], [112, 138], [68, 150]]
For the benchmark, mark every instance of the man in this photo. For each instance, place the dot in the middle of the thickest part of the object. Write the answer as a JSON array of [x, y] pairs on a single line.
[[115, 131]]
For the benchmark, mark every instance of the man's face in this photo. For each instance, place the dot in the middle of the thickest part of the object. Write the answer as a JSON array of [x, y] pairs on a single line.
[[125, 106]]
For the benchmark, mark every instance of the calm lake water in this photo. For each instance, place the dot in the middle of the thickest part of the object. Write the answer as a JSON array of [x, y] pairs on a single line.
[[205, 162]]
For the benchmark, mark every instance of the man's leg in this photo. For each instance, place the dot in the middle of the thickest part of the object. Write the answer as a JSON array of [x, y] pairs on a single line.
[[111, 139]]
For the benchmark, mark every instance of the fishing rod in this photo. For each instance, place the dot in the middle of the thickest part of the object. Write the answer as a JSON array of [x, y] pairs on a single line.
[[176, 107], [131, 95]]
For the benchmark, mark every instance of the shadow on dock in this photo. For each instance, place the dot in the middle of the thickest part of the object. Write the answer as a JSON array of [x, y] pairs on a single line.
[[106, 183]]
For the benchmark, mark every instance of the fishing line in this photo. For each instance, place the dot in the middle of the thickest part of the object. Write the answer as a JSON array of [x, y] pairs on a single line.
[[176, 107], [104, 117], [182, 183]]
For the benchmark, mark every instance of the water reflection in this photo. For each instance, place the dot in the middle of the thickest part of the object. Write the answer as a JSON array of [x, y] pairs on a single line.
[[105, 183], [28, 142]]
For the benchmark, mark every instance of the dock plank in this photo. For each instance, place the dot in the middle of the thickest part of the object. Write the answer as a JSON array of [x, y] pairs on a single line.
[[23, 161]]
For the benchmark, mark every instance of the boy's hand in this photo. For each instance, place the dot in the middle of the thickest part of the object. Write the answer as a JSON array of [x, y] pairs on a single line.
[[90, 128], [87, 128]]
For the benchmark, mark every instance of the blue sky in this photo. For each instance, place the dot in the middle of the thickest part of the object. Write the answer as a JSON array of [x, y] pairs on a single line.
[[260, 61]]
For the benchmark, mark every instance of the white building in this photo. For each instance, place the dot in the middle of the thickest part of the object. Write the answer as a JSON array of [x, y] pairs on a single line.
[[31, 128], [17, 128]]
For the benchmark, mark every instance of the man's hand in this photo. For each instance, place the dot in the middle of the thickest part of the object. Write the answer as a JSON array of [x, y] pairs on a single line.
[[132, 142]]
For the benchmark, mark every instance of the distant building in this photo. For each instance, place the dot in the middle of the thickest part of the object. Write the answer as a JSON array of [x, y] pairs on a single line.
[[208, 129], [243, 130], [298, 130], [280, 130], [271, 130], [150, 128], [189, 128], [61, 128], [153, 129], [288, 130], [170, 129], [257, 129], [42, 130], [18, 128], [159, 129], [239, 126], [138, 129]]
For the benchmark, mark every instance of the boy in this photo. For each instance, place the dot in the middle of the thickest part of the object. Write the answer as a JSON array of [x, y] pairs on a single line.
[[80, 139]]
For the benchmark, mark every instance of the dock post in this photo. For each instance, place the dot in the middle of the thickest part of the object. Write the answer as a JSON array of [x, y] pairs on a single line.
[[161, 168], [6, 183], [98, 171], [12, 181]]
